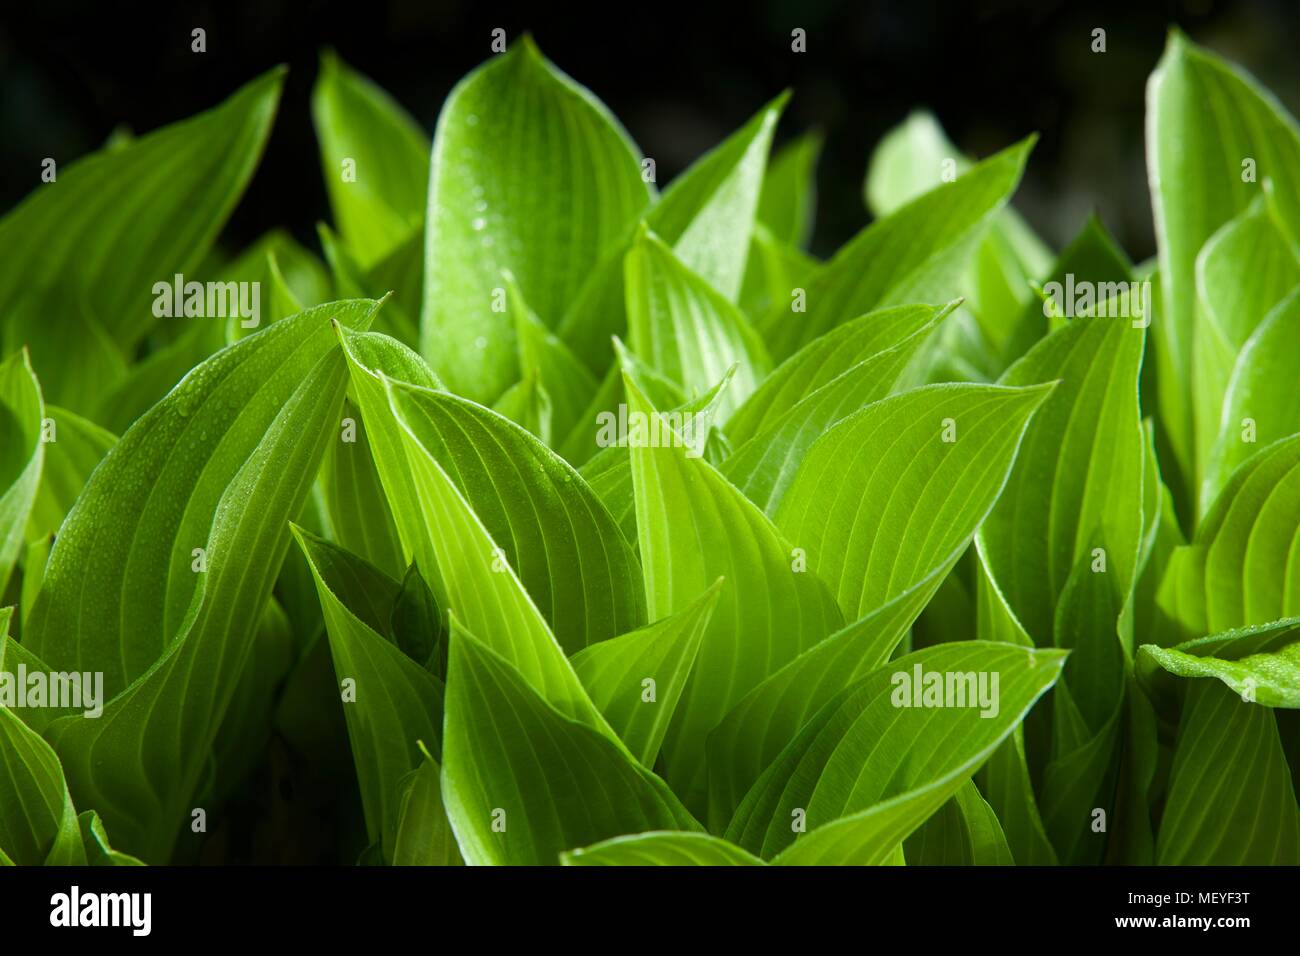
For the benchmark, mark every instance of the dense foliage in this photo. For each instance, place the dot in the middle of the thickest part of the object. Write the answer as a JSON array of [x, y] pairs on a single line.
[[552, 517]]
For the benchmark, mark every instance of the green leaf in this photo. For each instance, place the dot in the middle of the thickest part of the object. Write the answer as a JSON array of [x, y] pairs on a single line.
[[527, 403], [884, 528], [76, 448], [685, 329], [916, 254], [1238, 569], [1079, 777], [609, 472], [857, 364], [1231, 800], [352, 280], [860, 798], [1063, 545], [908, 162], [821, 362], [695, 527], [456, 554], [916, 157], [550, 527], [1133, 833], [232, 453], [93, 243], [523, 782], [120, 582], [1000, 276], [896, 488], [565, 379], [1005, 780], [185, 341], [788, 200], [94, 839], [964, 832], [153, 377], [615, 671], [38, 823], [402, 273], [417, 625], [1061, 503], [506, 192], [1273, 678], [1082, 273], [1261, 664], [1205, 119], [424, 836], [773, 273], [662, 849], [375, 159], [767, 718], [359, 515], [1242, 273], [22, 455], [391, 702], [1261, 404], [706, 215], [304, 275], [372, 357]]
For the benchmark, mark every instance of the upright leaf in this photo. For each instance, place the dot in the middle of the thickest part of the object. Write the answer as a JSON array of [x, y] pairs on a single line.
[[706, 215], [375, 159], [76, 447], [880, 759], [22, 454], [685, 329], [391, 702], [649, 666], [695, 527], [38, 822], [523, 782], [965, 832], [765, 464], [788, 200], [1231, 800], [506, 192], [1061, 503], [1239, 569], [1242, 273], [889, 528], [895, 488], [424, 836], [360, 517], [916, 254], [576, 565], [1213, 136], [147, 620], [1261, 404], [916, 157], [91, 245], [566, 380]]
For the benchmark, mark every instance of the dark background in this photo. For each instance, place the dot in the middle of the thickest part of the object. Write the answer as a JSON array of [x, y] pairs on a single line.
[[680, 80]]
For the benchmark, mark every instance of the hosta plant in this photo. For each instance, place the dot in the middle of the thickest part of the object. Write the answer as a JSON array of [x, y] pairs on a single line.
[[548, 516]]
